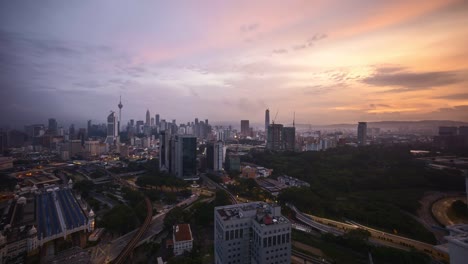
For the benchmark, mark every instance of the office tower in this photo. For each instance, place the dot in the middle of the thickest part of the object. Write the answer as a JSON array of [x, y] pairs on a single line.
[[152, 122], [52, 126], [251, 233], [233, 162], [71, 132], [206, 121], [196, 128], [274, 137], [148, 120], [362, 133], [210, 155], [267, 120], [112, 129], [164, 149], [245, 129], [132, 122], [218, 156], [156, 120], [448, 131], [289, 138], [120, 105], [183, 155]]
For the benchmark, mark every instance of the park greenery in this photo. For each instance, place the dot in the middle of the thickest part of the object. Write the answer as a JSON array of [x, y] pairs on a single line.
[[378, 186]]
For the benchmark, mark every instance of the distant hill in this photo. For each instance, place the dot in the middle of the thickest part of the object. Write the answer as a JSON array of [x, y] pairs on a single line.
[[390, 125]]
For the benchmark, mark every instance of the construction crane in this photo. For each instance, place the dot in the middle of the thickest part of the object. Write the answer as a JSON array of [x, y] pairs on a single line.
[[273, 122]]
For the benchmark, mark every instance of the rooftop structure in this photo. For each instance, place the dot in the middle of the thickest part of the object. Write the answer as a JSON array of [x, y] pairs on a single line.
[[252, 233]]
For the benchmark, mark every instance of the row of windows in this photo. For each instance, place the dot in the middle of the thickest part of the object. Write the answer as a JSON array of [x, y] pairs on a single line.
[[234, 234], [275, 240]]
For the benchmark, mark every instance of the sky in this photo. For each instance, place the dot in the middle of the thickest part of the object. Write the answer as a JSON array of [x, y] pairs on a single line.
[[328, 61]]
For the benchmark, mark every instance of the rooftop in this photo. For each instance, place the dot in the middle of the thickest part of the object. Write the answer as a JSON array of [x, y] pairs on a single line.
[[182, 232], [262, 212]]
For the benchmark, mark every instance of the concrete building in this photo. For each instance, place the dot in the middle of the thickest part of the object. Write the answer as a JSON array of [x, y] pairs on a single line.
[[182, 238], [233, 162], [362, 133], [254, 233], [274, 138], [6, 163], [267, 120], [288, 137], [183, 156], [148, 118], [458, 243], [53, 127], [210, 155], [218, 156], [112, 129], [164, 151], [245, 128]]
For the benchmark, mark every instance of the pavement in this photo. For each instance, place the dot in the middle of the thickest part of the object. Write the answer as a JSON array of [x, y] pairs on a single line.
[[441, 207]]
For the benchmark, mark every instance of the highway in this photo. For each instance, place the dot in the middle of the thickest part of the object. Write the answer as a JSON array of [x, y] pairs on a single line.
[[210, 182], [307, 259], [378, 237]]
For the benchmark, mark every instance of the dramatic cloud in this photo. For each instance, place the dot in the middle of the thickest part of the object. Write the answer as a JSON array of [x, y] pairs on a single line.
[[332, 61], [411, 80]]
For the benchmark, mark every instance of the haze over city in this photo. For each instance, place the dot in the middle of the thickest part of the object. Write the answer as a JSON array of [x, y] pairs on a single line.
[[329, 61]]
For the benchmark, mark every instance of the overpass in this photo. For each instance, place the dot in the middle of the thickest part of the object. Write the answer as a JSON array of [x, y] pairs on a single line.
[[377, 237]]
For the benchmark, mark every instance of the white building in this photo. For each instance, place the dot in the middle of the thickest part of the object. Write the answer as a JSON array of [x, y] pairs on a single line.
[[458, 243], [254, 233], [182, 237]]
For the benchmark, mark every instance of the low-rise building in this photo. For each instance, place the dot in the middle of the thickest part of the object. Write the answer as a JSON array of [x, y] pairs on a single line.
[[182, 239]]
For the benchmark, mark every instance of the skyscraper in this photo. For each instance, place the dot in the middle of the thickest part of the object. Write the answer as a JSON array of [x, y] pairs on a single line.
[[267, 120], [362, 133], [164, 149], [245, 128], [157, 120], [288, 138], [251, 233], [218, 156], [274, 138], [148, 118], [210, 155], [52, 126], [183, 161], [112, 129]]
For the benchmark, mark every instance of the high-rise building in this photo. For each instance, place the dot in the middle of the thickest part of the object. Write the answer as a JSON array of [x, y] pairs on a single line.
[[267, 120], [3, 142], [251, 233], [245, 128], [218, 156], [183, 161], [112, 129], [210, 155], [152, 122], [71, 132], [52, 126], [274, 137], [362, 133], [233, 162], [463, 130], [156, 120], [164, 151], [289, 138], [148, 117]]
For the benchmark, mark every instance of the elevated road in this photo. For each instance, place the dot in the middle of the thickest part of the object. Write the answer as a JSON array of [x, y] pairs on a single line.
[[136, 238], [377, 237]]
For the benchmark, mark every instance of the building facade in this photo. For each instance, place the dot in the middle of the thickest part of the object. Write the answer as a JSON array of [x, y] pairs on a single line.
[[245, 128], [362, 133], [218, 156], [274, 138], [182, 238], [254, 233]]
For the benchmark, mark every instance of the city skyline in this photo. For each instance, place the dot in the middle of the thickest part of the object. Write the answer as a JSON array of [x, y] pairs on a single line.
[[328, 61]]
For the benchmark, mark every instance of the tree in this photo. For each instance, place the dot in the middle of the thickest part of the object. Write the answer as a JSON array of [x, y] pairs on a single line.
[[84, 187], [120, 219]]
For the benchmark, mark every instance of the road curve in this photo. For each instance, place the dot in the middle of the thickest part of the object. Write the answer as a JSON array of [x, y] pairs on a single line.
[[131, 245]]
